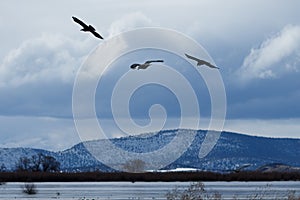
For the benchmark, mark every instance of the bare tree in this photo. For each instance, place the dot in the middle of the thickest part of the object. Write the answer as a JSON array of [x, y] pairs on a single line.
[[136, 165], [38, 163], [23, 164], [50, 164], [2, 168], [29, 188]]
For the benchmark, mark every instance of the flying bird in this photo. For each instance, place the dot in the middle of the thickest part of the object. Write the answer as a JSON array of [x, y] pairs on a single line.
[[201, 62], [87, 28], [144, 65]]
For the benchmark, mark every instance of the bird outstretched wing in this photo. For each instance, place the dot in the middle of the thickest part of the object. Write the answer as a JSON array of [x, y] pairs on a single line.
[[97, 34], [192, 57], [211, 66], [151, 61], [80, 22], [91, 28], [201, 62]]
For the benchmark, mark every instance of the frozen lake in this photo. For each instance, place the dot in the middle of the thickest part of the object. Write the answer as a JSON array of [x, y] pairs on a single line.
[[146, 190]]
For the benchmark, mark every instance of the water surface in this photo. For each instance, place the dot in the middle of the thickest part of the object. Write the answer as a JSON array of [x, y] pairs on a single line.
[[146, 190]]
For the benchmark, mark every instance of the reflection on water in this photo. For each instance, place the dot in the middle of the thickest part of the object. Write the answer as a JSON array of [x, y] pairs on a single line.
[[144, 190]]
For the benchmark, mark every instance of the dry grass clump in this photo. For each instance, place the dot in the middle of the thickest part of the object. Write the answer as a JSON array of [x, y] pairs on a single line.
[[29, 188]]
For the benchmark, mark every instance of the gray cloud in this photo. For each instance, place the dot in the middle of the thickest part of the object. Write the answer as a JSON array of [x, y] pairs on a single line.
[[266, 84], [276, 55], [40, 59], [37, 77], [284, 128], [43, 59], [129, 21], [39, 132]]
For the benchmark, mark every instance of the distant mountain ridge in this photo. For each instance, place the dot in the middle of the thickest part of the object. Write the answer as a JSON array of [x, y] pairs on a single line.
[[231, 151]]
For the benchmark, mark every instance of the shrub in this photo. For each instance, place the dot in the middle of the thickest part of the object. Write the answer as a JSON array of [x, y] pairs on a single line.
[[134, 166], [195, 191], [292, 195], [29, 188], [38, 163]]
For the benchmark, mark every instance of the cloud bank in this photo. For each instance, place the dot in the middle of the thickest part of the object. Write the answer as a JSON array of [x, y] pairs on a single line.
[[46, 58], [130, 21], [36, 79], [277, 55]]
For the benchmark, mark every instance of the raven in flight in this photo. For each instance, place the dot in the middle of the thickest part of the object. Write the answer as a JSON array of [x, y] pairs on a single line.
[[201, 62], [145, 65], [87, 28]]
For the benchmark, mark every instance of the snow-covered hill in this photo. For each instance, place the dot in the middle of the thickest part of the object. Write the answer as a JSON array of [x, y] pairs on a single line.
[[231, 151]]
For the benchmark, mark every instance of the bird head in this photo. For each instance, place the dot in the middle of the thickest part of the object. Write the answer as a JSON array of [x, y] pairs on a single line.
[[134, 66]]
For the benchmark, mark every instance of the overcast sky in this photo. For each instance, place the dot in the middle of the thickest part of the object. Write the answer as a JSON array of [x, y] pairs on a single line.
[[255, 43]]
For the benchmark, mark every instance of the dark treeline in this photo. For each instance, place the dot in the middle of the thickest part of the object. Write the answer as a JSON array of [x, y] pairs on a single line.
[[146, 177]]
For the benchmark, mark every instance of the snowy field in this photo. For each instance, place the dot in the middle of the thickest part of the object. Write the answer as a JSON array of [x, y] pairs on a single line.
[[143, 190]]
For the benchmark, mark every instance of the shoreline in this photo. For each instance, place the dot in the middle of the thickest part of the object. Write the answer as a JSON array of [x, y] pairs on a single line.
[[247, 176]]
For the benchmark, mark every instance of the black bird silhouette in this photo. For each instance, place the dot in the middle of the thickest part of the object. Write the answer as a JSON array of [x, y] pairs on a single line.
[[201, 62], [144, 65], [87, 28]]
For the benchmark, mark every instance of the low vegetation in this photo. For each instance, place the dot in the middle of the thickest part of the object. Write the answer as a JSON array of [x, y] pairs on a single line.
[[29, 188], [24, 176], [135, 166], [292, 196], [38, 163], [197, 191]]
